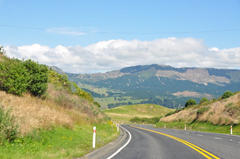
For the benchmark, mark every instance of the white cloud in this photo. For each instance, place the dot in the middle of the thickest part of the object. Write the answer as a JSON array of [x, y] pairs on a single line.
[[116, 54]]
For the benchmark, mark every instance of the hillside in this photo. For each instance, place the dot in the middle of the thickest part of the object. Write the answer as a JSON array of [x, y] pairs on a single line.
[[157, 84], [215, 116], [221, 112], [123, 114], [50, 118]]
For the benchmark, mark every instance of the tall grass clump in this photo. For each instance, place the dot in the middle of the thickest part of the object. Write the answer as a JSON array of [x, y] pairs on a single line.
[[8, 127]]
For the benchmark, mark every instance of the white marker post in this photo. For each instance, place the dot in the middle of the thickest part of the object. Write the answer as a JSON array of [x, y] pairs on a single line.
[[117, 126], [164, 126], [231, 130], [94, 136], [185, 127]]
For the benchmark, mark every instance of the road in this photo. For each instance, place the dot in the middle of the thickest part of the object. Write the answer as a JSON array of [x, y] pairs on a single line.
[[155, 143]]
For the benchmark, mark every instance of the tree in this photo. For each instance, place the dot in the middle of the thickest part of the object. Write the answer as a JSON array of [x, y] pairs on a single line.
[[2, 51], [190, 102], [203, 100], [227, 94]]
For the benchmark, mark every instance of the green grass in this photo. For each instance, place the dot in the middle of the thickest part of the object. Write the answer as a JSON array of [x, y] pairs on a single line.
[[201, 126], [59, 142], [125, 113], [109, 100]]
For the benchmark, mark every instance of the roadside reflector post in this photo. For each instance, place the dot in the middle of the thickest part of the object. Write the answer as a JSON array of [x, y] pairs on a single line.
[[94, 136], [164, 126], [231, 130], [185, 127], [117, 126]]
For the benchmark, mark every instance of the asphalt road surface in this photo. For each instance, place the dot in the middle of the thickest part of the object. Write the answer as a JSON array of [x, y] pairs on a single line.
[[154, 143]]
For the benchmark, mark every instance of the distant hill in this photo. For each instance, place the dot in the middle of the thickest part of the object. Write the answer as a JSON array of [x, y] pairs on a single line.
[[157, 84], [56, 69]]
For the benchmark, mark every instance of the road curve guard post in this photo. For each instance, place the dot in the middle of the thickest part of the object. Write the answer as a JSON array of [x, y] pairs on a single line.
[[231, 130], [94, 136], [117, 126], [185, 127]]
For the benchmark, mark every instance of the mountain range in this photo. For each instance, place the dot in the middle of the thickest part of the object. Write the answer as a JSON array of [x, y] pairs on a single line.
[[157, 84]]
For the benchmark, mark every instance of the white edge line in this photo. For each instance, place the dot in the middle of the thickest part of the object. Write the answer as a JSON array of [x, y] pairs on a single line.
[[130, 137]]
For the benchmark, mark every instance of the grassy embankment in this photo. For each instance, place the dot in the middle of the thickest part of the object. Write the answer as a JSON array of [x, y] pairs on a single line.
[[123, 114], [57, 124], [213, 116]]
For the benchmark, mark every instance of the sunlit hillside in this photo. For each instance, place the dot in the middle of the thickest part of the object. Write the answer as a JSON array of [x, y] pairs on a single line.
[[44, 115], [124, 113], [218, 112]]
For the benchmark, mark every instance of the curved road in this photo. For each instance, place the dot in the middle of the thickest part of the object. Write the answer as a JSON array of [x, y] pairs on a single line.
[[154, 143]]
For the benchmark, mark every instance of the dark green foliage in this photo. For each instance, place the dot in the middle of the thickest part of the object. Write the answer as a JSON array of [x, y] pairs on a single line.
[[2, 51], [97, 104], [174, 112], [18, 77], [8, 128], [190, 102], [152, 120], [202, 110], [37, 83], [13, 77], [203, 100], [227, 94]]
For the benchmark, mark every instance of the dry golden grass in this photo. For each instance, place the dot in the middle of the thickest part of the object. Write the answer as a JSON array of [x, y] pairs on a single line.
[[215, 113], [32, 113], [59, 109]]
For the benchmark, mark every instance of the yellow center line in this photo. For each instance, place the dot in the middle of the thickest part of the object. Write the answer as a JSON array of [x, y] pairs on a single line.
[[196, 148]]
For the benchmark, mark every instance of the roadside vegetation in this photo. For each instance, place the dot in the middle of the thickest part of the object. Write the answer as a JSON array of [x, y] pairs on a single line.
[[216, 115], [44, 115]]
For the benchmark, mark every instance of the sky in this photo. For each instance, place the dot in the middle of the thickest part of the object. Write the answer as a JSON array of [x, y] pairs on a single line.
[[89, 36]]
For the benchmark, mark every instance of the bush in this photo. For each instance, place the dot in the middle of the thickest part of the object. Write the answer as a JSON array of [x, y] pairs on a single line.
[[190, 102], [174, 112], [8, 128], [38, 77], [227, 94], [18, 77], [202, 110], [203, 100], [13, 77]]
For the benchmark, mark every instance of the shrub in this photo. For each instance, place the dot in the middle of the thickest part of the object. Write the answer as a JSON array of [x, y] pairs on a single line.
[[174, 112], [37, 83], [227, 94], [13, 77], [190, 102], [97, 104], [202, 110], [203, 100], [8, 128], [18, 77]]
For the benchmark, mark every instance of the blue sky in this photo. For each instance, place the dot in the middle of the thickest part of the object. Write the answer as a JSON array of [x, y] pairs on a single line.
[[80, 29]]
